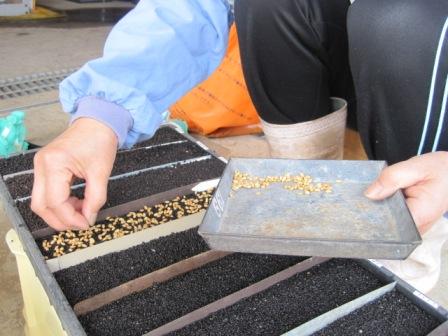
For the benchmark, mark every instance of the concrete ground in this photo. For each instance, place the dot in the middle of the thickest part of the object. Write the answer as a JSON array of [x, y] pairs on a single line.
[[30, 49]]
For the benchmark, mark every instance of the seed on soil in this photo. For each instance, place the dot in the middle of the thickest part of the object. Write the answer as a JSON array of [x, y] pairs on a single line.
[[290, 182], [115, 227]]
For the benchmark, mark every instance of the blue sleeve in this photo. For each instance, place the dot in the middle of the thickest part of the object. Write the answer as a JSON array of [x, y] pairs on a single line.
[[152, 57]]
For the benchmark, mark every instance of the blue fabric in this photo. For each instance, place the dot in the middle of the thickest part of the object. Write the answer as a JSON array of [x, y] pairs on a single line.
[[152, 57], [108, 113]]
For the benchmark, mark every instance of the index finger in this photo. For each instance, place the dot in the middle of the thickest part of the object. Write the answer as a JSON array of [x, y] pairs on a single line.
[[57, 187]]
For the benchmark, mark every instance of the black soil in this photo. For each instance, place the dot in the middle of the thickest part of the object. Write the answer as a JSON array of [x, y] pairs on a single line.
[[33, 221], [144, 158], [100, 274], [290, 303], [392, 314], [163, 135], [162, 303], [25, 161], [159, 180], [22, 185], [16, 163]]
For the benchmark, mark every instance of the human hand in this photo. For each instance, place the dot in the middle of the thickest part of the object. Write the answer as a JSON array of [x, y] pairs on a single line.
[[85, 150], [424, 180]]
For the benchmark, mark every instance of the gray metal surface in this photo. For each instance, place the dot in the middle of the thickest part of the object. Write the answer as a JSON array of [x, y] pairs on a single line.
[[343, 223], [35, 83]]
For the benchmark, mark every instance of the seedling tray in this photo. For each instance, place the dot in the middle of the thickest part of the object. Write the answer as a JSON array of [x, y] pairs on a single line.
[[171, 261], [339, 223]]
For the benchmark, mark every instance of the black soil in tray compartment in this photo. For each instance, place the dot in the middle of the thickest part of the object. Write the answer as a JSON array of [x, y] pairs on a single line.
[[22, 185], [25, 161], [100, 274], [152, 182], [17, 163], [163, 135], [290, 303], [392, 314], [33, 221], [142, 312], [144, 158]]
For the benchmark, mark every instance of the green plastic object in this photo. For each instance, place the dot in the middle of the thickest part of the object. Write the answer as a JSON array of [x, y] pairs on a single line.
[[180, 124], [12, 134]]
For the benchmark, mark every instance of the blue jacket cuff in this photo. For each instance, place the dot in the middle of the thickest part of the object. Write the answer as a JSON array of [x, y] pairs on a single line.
[[110, 114]]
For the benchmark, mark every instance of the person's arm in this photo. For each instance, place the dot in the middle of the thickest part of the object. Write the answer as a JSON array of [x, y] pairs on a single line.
[[153, 56], [424, 180]]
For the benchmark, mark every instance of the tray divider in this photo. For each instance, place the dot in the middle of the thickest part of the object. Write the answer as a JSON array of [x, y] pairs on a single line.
[[331, 316], [231, 299], [141, 283]]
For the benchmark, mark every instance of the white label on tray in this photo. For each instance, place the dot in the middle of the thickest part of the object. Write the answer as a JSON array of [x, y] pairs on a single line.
[[427, 300], [206, 185], [218, 204]]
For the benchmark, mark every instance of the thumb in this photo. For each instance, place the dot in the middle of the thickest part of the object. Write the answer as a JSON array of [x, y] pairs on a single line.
[[95, 196], [393, 178]]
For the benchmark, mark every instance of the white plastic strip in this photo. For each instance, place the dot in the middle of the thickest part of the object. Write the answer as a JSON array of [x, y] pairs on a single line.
[[206, 185], [154, 146]]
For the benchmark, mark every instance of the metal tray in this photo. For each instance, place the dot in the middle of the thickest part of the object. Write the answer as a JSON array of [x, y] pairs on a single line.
[[343, 223]]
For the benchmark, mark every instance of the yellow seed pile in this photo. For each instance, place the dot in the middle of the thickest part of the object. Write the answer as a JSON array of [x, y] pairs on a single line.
[[114, 227], [300, 182]]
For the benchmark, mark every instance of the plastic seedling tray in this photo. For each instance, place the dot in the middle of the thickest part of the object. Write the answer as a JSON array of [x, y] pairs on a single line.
[[341, 223], [150, 261], [134, 185]]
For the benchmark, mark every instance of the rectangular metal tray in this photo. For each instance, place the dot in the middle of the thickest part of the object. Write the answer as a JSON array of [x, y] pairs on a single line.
[[343, 223]]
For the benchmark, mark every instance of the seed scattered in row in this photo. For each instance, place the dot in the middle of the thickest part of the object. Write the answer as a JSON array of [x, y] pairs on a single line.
[[300, 182], [118, 226]]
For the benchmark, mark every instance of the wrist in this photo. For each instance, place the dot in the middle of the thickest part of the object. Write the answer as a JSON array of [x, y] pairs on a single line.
[[110, 115]]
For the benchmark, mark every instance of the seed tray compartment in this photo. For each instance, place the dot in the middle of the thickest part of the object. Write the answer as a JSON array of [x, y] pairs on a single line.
[[97, 275], [341, 223], [21, 162], [21, 185], [390, 314], [157, 210], [17, 162]]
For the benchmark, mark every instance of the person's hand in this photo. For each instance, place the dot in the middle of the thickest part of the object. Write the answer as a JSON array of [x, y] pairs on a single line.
[[85, 150], [424, 180]]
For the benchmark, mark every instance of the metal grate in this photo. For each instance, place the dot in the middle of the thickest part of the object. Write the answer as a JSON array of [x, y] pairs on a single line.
[[35, 83]]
